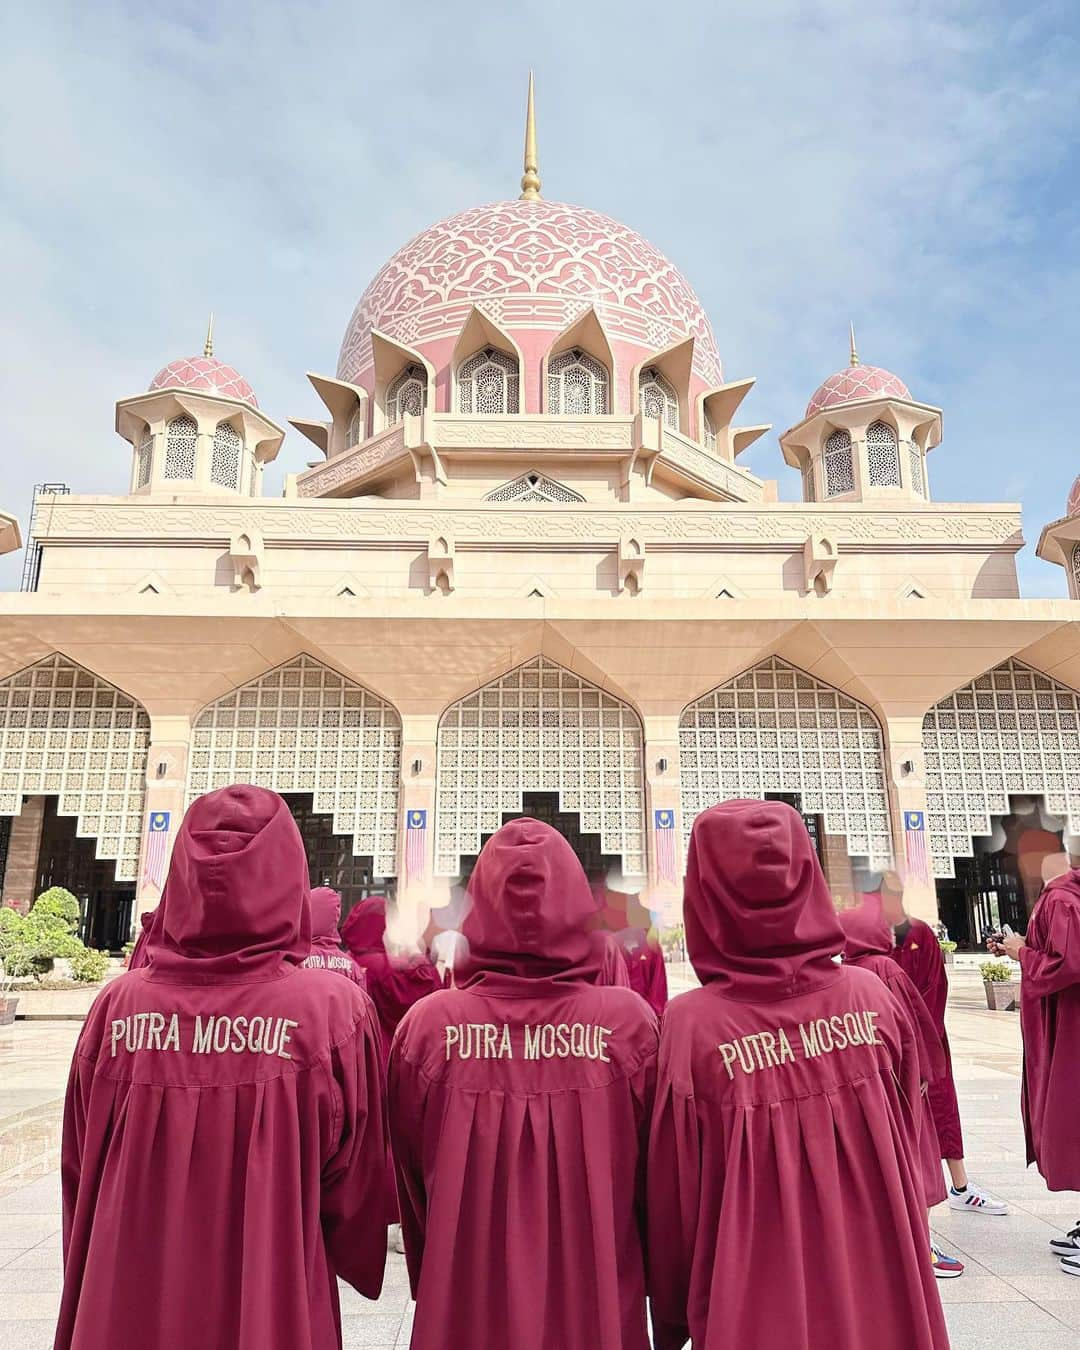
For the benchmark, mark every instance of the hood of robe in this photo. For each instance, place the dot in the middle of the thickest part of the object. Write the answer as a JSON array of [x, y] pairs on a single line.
[[364, 929], [759, 916], [236, 903], [325, 915], [865, 931], [531, 902]]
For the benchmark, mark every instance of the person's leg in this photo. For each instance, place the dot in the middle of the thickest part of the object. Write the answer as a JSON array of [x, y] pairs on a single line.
[[964, 1194], [957, 1173]]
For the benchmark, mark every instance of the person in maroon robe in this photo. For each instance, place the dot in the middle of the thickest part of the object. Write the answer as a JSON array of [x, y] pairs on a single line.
[[919, 955], [613, 971], [1049, 957], [645, 967], [224, 1138], [394, 983], [326, 953], [520, 1105], [868, 943], [784, 1205], [139, 957]]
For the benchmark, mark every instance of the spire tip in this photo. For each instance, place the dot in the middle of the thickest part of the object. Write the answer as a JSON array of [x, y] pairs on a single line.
[[208, 345], [530, 179], [854, 351]]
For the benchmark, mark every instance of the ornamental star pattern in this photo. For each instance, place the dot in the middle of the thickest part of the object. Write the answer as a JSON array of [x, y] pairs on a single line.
[[853, 383], [206, 373]]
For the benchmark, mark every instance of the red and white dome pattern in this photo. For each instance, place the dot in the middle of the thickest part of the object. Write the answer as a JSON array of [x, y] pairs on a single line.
[[1072, 507], [205, 373], [529, 265], [854, 383]]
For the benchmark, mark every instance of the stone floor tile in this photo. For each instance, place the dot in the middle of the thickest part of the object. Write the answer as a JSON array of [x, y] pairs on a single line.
[[975, 1288], [1054, 1286], [16, 1335], [1067, 1312]]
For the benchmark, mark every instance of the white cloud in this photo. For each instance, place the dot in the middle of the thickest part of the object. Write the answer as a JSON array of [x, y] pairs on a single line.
[[905, 164]]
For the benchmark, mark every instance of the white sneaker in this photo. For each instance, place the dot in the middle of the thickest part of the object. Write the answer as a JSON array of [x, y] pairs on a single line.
[[1070, 1266], [394, 1239], [976, 1200], [1068, 1246]]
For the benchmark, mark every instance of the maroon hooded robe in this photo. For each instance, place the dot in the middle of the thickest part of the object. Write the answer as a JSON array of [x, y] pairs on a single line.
[[645, 966], [139, 956], [920, 958], [613, 969], [394, 984], [326, 953], [1050, 1017], [868, 943], [520, 1105], [785, 1211], [224, 1140]]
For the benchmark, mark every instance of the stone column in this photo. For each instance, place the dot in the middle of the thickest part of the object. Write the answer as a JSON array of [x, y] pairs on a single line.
[[663, 793], [419, 893], [20, 875], [166, 792], [906, 778]]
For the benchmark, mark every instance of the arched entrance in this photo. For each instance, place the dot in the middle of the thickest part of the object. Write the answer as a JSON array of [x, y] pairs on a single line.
[[776, 732], [72, 782], [329, 746], [540, 729], [1002, 794]]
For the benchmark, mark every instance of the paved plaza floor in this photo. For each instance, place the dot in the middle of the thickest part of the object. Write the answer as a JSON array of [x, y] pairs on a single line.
[[1013, 1293]]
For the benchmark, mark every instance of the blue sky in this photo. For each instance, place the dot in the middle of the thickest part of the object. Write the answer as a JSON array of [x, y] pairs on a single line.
[[911, 166]]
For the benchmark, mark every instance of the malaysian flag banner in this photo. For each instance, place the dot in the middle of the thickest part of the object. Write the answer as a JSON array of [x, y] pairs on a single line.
[[415, 843], [157, 847], [666, 866], [915, 847]]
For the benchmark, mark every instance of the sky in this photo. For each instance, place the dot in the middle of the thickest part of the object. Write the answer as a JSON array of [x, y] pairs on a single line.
[[911, 167]]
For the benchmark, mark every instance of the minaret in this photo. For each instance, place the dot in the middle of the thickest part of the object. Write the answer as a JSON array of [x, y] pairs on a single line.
[[530, 179]]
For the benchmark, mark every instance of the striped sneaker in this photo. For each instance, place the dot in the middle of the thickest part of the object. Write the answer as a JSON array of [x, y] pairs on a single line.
[[976, 1201], [945, 1267], [1070, 1265], [1069, 1245]]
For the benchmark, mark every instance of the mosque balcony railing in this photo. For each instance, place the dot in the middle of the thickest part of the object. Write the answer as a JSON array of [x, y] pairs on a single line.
[[683, 454], [372, 456]]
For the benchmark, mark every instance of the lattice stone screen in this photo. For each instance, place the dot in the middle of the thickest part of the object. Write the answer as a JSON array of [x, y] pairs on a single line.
[[305, 728], [539, 729], [66, 733], [776, 729], [1010, 731]]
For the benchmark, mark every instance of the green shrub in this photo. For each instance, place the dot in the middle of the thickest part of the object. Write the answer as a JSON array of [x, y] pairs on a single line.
[[89, 966], [22, 958], [997, 972], [49, 935], [947, 946], [59, 905]]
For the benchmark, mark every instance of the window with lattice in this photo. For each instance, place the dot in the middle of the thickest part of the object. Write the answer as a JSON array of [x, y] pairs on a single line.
[[534, 487], [657, 397], [708, 432], [488, 383], [225, 460], [577, 384], [354, 432], [776, 729], [144, 459], [882, 456], [916, 469], [839, 469], [181, 440], [1076, 569], [406, 394], [540, 728]]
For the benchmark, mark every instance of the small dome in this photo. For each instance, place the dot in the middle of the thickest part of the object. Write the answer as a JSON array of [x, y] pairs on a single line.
[[1072, 507], [854, 383], [205, 373]]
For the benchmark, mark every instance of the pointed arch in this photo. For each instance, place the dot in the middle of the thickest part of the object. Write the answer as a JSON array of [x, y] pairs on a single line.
[[68, 733], [481, 343], [181, 442], [534, 487], [882, 455], [775, 729], [1012, 730], [302, 727], [539, 728], [593, 373]]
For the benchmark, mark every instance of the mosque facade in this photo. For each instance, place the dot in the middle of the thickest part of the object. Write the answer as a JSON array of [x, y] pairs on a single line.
[[527, 571]]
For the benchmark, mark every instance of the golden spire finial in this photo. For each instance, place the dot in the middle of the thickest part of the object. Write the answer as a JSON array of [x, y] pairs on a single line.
[[530, 179], [208, 345], [854, 353]]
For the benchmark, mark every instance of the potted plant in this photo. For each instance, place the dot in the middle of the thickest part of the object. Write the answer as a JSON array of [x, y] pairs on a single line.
[[1001, 980], [948, 947]]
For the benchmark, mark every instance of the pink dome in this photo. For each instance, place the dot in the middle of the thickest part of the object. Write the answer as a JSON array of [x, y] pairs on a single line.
[[1072, 507], [206, 373], [528, 265], [856, 382]]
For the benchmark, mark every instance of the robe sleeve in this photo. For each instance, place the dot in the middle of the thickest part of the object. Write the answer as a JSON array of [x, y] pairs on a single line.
[[76, 1103], [658, 990], [673, 1194], [1054, 965], [355, 1199], [406, 1095], [931, 978], [931, 1052]]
